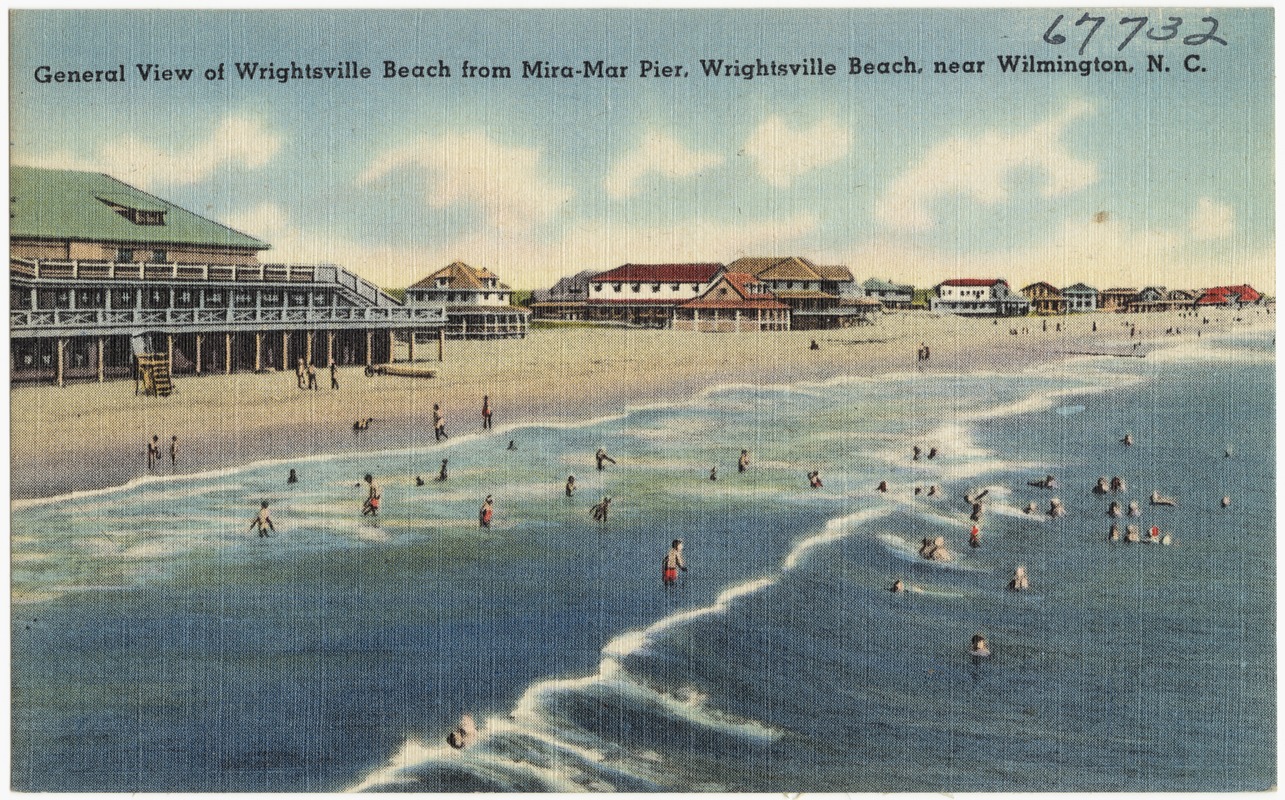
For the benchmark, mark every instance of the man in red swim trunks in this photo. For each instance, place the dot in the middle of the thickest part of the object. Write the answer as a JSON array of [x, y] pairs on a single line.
[[673, 563]]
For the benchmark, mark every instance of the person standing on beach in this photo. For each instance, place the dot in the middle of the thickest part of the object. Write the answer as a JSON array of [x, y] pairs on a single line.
[[298, 373], [485, 513], [312, 377], [371, 506], [571, 485], [439, 424], [153, 452], [263, 520], [673, 563], [486, 412], [334, 374], [744, 461], [173, 451], [599, 511], [441, 476]]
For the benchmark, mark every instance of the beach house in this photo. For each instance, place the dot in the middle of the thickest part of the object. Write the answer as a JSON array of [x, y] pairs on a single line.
[[646, 294], [1080, 297], [565, 300], [892, 296], [478, 305], [102, 274], [733, 303], [976, 297], [1228, 296], [1116, 299], [1045, 298], [813, 292]]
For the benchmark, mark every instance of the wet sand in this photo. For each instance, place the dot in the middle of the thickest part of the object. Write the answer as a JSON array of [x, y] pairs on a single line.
[[90, 435]]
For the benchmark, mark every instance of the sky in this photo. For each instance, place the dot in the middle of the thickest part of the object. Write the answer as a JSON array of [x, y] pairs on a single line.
[[1111, 179]]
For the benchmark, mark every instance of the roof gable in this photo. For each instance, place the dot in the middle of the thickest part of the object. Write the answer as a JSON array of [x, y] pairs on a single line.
[[90, 206], [460, 277]]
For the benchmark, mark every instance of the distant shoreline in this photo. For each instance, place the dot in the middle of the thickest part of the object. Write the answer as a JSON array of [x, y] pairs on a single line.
[[91, 436]]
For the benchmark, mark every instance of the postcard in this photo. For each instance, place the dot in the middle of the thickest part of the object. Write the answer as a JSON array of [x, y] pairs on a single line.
[[642, 400]]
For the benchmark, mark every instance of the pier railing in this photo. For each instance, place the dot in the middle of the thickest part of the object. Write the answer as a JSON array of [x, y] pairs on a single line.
[[329, 274], [73, 322]]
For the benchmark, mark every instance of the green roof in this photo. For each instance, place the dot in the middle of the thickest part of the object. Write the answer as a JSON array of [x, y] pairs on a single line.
[[80, 206]]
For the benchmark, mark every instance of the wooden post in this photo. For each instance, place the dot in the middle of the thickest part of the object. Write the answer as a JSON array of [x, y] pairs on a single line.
[[286, 361], [441, 344], [410, 347], [169, 352], [62, 344], [258, 350], [100, 359], [369, 341], [330, 347], [227, 353], [198, 354], [391, 341], [308, 347]]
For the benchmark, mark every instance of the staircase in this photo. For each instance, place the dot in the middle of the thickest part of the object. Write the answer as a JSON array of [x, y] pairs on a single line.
[[154, 372]]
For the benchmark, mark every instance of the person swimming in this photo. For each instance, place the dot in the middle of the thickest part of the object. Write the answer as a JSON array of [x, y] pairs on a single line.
[[1102, 486], [936, 550], [1047, 482], [713, 473], [419, 480], [979, 647], [1127, 440], [1226, 501], [1055, 508], [293, 477], [1019, 582], [882, 487], [1133, 509], [932, 490], [599, 511], [814, 480], [1118, 484], [1114, 535], [1031, 508], [976, 516], [1131, 533], [441, 475], [1114, 510], [1158, 500], [571, 485], [974, 537], [897, 586], [464, 734]]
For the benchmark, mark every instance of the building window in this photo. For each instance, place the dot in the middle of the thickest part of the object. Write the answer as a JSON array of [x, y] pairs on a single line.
[[655, 287], [635, 287], [159, 257], [615, 287], [243, 298], [89, 298], [214, 298], [597, 287], [270, 298], [298, 299], [124, 255], [184, 298]]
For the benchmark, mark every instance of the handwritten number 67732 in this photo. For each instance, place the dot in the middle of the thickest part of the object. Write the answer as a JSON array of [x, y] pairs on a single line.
[[1157, 33]]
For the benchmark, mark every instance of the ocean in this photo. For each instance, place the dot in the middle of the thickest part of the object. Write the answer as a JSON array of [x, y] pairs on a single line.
[[158, 645]]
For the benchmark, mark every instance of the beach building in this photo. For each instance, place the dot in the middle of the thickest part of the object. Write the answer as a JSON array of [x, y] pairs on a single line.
[[566, 300], [1080, 297], [478, 305], [1116, 299], [1228, 296], [1045, 298], [892, 296], [813, 293], [646, 294], [733, 303], [978, 297], [103, 275]]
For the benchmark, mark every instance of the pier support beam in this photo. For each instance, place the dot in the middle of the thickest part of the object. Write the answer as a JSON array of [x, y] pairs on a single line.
[[198, 353], [330, 347], [227, 353], [169, 352], [370, 339], [101, 364], [285, 350], [441, 344], [258, 351], [61, 347], [307, 346], [392, 340], [410, 347]]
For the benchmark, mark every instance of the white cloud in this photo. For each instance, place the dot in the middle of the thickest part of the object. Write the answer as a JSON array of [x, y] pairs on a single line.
[[659, 153], [473, 169], [237, 141], [1212, 220], [979, 168], [781, 153]]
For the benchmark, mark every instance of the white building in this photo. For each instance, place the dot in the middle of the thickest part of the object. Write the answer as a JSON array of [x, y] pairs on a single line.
[[478, 304], [979, 297]]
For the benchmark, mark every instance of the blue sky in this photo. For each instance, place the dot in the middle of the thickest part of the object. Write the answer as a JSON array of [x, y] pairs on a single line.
[[1133, 179]]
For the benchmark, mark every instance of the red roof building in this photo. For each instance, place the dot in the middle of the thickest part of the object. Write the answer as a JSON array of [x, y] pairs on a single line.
[[646, 294]]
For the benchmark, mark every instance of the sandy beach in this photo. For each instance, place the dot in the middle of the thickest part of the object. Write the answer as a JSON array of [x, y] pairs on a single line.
[[88, 435]]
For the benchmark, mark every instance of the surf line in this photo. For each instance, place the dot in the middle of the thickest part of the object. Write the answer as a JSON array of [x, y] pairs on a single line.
[[527, 719]]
